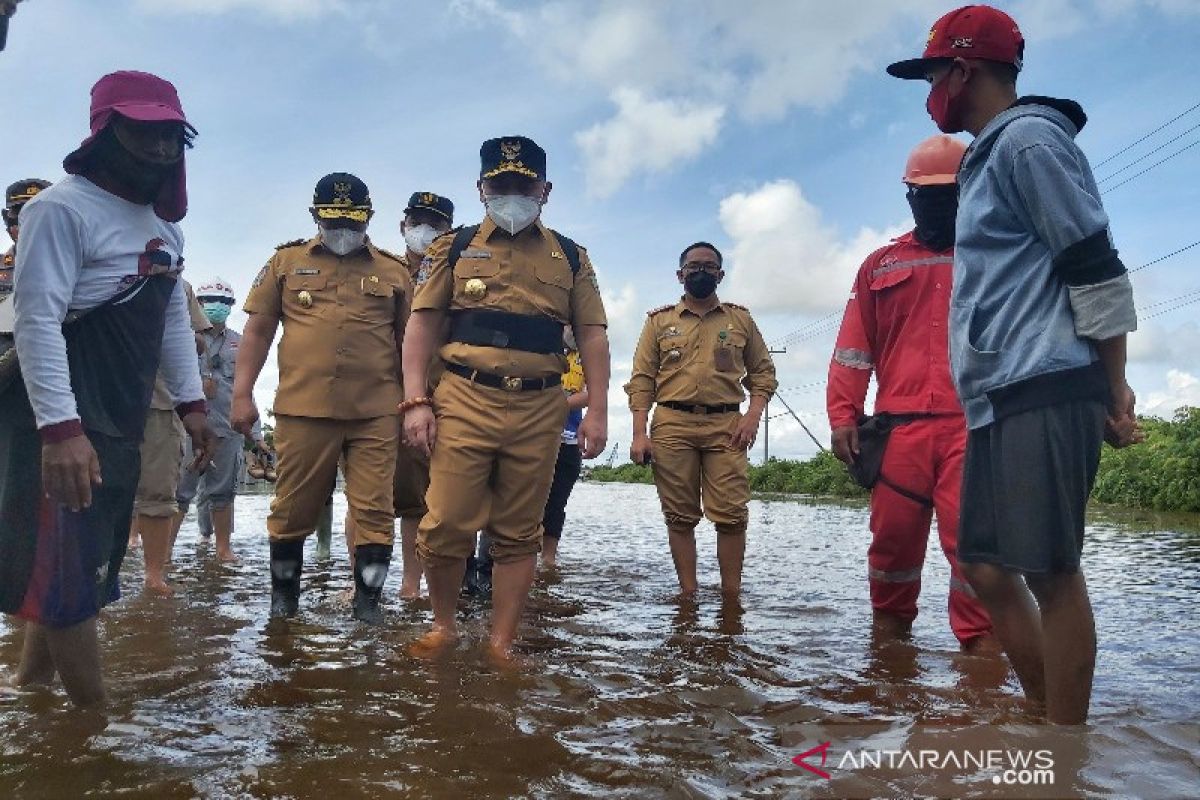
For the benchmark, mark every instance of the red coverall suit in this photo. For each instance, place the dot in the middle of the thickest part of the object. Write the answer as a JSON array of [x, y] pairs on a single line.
[[895, 324]]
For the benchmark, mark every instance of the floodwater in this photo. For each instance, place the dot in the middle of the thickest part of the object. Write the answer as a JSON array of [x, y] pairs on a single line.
[[635, 695]]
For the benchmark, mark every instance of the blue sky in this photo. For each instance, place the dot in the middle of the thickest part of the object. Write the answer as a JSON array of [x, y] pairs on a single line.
[[768, 128]]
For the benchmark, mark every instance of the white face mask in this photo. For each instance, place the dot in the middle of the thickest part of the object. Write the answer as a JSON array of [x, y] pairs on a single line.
[[513, 212], [342, 240], [418, 238]]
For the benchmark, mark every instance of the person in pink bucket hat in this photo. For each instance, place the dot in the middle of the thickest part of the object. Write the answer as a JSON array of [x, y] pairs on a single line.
[[99, 305]]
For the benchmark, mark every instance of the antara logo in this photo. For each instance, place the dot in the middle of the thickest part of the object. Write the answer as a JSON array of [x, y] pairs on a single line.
[[823, 749]]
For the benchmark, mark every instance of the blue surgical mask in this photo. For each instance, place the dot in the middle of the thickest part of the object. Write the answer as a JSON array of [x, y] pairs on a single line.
[[217, 313]]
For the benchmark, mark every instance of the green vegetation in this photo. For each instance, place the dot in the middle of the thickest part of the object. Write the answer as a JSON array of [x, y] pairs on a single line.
[[823, 475], [1161, 474]]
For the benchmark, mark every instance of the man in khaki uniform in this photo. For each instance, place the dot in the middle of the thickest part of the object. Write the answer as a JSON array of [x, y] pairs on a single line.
[[343, 303], [15, 196], [508, 286], [426, 217], [162, 446], [692, 359]]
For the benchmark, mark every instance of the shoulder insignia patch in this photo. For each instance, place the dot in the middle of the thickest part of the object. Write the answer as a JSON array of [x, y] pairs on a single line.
[[260, 277], [660, 309], [292, 243], [734, 305], [423, 271]]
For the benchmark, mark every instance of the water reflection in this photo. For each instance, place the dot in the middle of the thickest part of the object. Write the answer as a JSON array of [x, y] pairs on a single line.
[[638, 693]]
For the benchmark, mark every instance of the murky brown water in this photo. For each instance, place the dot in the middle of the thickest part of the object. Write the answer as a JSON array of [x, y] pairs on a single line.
[[637, 696]]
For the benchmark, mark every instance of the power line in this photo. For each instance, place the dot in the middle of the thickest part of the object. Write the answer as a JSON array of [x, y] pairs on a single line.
[[1166, 124], [1139, 160], [1172, 254], [1136, 175], [1193, 301], [1170, 300], [809, 326]]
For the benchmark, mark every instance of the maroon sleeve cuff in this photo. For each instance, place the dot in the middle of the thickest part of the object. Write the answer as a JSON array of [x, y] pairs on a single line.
[[195, 406], [61, 431]]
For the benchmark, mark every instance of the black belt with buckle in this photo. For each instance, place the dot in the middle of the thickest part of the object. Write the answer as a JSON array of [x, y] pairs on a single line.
[[693, 408], [508, 384]]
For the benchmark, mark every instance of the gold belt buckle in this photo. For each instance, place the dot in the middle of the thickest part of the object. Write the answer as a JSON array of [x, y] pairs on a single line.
[[512, 384]]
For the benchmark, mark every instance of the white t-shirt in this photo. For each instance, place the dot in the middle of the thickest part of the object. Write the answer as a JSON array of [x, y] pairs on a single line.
[[80, 246]]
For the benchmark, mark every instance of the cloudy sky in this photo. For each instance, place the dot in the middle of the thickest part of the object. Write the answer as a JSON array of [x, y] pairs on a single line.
[[765, 126]]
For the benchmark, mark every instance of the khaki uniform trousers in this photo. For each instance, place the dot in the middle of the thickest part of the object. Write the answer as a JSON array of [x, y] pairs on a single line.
[[693, 461], [411, 483], [492, 466], [162, 449], [309, 449]]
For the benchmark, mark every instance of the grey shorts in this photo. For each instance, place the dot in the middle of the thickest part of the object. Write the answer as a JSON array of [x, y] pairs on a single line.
[[1026, 482], [218, 483]]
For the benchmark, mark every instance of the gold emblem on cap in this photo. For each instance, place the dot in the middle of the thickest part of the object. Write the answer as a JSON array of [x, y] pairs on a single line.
[[475, 289], [428, 198], [510, 149], [305, 299]]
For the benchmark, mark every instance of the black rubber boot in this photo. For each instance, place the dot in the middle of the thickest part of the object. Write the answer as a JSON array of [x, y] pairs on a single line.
[[370, 571], [287, 562]]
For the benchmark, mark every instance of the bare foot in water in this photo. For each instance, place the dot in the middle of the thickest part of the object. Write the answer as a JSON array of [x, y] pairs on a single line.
[[227, 556], [505, 659], [433, 644], [159, 587]]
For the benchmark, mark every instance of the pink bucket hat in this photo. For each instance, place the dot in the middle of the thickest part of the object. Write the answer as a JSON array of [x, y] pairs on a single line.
[[146, 98]]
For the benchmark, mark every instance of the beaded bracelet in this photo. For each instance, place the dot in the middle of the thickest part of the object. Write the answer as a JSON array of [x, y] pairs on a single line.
[[413, 402]]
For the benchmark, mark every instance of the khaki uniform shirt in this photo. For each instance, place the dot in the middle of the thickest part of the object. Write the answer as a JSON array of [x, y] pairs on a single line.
[[524, 274], [685, 358], [7, 262], [341, 317], [161, 398]]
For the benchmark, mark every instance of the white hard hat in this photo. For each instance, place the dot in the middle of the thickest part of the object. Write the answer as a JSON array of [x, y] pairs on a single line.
[[217, 288]]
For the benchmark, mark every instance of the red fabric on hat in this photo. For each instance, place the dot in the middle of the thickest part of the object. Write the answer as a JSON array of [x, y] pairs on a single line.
[[142, 97]]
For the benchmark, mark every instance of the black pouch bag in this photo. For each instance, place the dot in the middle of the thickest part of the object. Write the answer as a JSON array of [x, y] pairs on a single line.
[[873, 434]]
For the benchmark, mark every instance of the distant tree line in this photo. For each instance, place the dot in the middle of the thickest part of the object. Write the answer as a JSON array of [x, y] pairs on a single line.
[[1161, 474]]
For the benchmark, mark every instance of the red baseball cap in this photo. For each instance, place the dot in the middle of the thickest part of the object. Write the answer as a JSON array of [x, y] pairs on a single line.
[[968, 32], [142, 97]]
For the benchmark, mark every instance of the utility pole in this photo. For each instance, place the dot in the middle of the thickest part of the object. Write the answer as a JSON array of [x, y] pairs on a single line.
[[767, 417]]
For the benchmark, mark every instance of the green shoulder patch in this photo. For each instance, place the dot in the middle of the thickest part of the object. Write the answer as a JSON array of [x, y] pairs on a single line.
[[660, 309], [734, 305], [292, 243]]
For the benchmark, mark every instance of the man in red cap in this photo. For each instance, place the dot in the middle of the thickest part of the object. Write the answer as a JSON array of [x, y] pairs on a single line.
[[1039, 315], [99, 304], [895, 326]]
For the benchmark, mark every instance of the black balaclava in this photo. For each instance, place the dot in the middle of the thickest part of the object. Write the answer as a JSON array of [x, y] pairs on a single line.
[[934, 208]]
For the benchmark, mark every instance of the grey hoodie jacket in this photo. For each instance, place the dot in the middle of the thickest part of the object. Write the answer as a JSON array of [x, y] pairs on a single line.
[[1036, 278]]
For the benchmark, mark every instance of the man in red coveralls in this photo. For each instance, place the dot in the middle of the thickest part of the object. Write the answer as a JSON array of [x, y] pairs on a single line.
[[895, 325]]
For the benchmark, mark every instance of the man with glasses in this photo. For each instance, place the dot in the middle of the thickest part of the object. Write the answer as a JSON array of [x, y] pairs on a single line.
[[693, 359], [216, 485]]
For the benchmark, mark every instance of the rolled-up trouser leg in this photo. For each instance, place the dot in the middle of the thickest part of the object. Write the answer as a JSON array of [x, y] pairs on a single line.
[[459, 499], [369, 467], [724, 475], [899, 525], [524, 472], [308, 450], [676, 467]]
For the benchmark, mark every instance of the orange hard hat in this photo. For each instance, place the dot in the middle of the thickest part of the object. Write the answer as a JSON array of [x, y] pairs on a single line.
[[934, 160]]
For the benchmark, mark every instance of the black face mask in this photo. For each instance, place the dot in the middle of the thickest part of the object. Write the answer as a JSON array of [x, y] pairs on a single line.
[[934, 209], [145, 178], [700, 284]]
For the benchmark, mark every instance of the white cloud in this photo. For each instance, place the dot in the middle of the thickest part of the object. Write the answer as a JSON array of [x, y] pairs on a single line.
[[1183, 389], [645, 135], [784, 257], [284, 9]]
